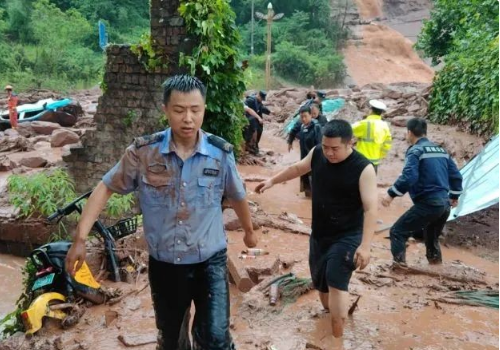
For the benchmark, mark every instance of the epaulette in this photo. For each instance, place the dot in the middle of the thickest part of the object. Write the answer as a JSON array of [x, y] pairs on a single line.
[[148, 139], [220, 143]]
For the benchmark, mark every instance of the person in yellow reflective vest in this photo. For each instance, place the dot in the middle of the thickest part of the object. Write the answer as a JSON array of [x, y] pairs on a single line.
[[373, 135]]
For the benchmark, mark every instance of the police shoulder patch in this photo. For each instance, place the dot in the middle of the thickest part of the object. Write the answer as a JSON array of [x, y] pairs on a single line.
[[220, 143], [148, 139]]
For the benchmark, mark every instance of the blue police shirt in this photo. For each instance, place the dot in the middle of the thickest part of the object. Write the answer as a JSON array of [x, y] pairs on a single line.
[[180, 200]]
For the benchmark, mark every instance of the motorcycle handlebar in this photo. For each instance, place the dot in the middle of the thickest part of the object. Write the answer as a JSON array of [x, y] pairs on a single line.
[[71, 207]]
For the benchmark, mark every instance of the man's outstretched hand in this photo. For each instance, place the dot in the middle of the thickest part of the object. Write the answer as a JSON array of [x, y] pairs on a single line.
[[263, 186]]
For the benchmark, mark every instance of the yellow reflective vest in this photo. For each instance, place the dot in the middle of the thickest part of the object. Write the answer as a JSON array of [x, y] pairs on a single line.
[[373, 136]]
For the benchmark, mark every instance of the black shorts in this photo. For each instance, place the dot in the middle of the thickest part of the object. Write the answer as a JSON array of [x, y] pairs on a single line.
[[332, 262]]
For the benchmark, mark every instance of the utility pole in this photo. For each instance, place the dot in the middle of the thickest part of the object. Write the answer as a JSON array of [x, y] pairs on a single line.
[[270, 17], [252, 28]]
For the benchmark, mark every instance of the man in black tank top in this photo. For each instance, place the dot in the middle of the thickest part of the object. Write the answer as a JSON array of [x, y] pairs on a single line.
[[344, 210]]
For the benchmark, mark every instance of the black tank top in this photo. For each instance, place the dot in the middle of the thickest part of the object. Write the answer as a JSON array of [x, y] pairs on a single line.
[[337, 209]]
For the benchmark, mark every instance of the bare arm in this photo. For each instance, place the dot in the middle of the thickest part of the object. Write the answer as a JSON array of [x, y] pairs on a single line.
[[298, 169], [242, 210], [97, 201], [251, 112], [369, 197]]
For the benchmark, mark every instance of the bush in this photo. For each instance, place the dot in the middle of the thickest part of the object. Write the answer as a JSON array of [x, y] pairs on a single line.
[[296, 63], [464, 35]]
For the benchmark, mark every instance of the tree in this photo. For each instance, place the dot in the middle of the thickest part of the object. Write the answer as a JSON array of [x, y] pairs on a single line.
[[464, 36]]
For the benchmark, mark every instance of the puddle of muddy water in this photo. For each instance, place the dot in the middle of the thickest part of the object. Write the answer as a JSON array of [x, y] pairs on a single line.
[[11, 285]]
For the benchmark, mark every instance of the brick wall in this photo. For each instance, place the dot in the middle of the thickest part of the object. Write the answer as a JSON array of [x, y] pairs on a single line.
[[132, 94]]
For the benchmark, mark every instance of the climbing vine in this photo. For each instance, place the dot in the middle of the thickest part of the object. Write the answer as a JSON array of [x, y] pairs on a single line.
[[215, 61], [148, 54]]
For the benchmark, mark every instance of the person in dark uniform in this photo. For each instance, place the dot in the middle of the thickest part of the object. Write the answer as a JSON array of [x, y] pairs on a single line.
[[309, 134], [316, 114], [181, 175], [434, 183], [255, 127], [344, 211]]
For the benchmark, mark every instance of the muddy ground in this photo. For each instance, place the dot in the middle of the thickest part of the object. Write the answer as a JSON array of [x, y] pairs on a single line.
[[396, 310]]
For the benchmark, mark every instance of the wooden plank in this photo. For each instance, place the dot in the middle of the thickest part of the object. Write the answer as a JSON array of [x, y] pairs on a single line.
[[240, 275]]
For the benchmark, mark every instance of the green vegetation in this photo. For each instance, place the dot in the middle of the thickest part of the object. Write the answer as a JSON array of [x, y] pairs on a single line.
[[12, 322], [39, 195], [215, 60], [54, 44], [305, 42], [464, 36]]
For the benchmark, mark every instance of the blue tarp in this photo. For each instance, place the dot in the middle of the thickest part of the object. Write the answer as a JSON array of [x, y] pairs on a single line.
[[480, 181]]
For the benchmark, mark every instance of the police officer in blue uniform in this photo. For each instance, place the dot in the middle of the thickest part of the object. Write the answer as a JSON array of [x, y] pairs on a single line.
[[181, 175], [434, 183]]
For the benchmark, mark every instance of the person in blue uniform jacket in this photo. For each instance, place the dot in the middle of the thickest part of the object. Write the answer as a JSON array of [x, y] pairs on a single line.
[[181, 175], [434, 183]]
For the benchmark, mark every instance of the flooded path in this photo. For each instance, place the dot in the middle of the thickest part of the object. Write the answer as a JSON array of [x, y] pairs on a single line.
[[394, 313]]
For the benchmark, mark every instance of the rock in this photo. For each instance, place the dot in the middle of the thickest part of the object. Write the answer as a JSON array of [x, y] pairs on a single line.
[[40, 138], [397, 111], [20, 170], [401, 121], [66, 150], [44, 128], [414, 108], [33, 162], [6, 164], [62, 137], [344, 92], [15, 143], [231, 221], [60, 118], [395, 95], [11, 133], [25, 129]]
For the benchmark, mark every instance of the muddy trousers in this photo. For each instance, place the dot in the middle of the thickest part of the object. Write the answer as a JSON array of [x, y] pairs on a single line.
[[13, 118], [250, 132], [174, 287], [428, 216]]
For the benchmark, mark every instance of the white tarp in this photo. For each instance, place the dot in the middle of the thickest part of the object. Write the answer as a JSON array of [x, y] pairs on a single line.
[[480, 181]]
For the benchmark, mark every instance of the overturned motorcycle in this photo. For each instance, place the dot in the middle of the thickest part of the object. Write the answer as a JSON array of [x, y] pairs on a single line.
[[54, 290]]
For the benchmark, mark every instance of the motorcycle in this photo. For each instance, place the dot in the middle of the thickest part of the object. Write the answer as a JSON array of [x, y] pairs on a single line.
[[55, 290]]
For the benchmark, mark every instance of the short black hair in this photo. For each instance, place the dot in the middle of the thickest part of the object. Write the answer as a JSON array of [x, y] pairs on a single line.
[[305, 109], [338, 128], [182, 83], [377, 111], [311, 95], [418, 126]]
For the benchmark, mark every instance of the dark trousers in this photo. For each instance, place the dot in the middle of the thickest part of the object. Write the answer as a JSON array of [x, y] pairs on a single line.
[[174, 287], [260, 130], [428, 216]]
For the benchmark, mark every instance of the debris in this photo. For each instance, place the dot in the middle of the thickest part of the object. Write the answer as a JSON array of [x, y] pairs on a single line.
[[291, 218], [354, 306], [487, 298], [437, 274], [274, 294], [109, 317], [246, 256], [240, 275], [312, 346], [137, 340], [255, 252]]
